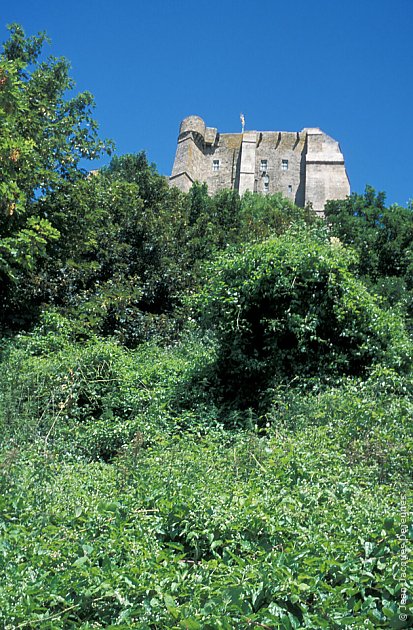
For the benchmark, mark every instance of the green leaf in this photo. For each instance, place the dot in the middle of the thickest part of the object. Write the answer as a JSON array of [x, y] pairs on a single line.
[[190, 624]]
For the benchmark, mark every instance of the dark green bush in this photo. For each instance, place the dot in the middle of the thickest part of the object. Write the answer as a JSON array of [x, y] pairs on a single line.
[[289, 309]]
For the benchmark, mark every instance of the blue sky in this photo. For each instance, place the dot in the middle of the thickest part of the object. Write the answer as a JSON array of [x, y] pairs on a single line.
[[345, 66]]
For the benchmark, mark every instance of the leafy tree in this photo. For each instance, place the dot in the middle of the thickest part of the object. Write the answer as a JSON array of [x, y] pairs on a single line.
[[43, 137], [117, 266], [289, 309], [263, 216], [383, 237], [135, 169]]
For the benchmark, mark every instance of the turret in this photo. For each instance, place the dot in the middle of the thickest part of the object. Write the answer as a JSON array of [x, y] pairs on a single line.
[[194, 125], [187, 165]]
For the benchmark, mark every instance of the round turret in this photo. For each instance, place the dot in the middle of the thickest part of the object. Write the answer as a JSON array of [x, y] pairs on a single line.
[[194, 124]]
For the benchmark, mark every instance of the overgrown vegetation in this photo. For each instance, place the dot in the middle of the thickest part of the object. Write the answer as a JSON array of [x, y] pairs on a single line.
[[205, 402], [290, 309]]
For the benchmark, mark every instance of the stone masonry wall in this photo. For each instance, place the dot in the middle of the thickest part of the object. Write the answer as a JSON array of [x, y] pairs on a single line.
[[276, 147], [306, 166]]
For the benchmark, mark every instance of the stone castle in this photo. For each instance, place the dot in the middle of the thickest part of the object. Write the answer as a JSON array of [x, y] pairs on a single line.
[[306, 166]]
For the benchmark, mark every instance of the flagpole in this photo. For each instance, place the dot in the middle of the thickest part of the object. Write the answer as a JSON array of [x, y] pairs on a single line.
[[242, 118]]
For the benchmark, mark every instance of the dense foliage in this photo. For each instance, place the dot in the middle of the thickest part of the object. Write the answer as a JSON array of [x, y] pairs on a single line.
[[43, 136], [127, 248], [290, 308], [205, 410], [212, 533], [383, 237]]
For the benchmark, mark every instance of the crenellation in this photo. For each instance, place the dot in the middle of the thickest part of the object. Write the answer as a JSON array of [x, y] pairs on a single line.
[[305, 166]]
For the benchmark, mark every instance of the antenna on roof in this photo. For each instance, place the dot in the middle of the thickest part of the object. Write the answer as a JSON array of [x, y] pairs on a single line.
[[242, 118]]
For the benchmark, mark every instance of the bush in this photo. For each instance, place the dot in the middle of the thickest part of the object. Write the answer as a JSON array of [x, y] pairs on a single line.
[[368, 420], [213, 533], [289, 309], [91, 398], [383, 237]]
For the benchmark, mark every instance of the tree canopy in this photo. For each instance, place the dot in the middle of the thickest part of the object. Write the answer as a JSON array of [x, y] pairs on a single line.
[[383, 238], [43, 137]]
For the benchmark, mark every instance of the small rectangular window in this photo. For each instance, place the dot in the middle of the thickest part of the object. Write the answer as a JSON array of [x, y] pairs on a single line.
[[284, 165], [215, 165], [290, 188], [266, 182], [264, 166]]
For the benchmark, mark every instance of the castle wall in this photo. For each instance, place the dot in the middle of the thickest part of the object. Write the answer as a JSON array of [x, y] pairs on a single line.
[[284, 178], [306, 166], [227, 149], [247, 164], [189, 162], [326, 176]]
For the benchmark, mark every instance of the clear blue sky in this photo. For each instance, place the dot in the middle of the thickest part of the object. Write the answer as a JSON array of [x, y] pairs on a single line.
[[345, 66]]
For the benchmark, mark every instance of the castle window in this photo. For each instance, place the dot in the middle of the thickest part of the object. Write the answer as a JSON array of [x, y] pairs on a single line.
[[284, 165], [215, 165], [264, 166], [266, 181], [290, 188]]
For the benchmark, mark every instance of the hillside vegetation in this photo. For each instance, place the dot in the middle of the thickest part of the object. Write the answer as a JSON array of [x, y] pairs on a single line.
[[205, 402]]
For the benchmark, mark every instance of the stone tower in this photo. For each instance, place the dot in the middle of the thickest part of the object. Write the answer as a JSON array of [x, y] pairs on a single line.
[[305, 166]]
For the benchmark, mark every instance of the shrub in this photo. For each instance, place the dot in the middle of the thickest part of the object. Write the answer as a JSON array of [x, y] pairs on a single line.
[[368, 420], [203, 534], [289, 309], [89, 398]]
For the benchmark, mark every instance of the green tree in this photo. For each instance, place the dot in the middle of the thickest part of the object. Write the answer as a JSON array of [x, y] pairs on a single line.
[[135, 169], [383, 237], [43, 137], [263, 216], [118, 266]]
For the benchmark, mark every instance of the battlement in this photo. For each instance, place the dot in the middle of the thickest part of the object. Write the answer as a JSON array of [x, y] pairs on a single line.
[[306, 166]]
